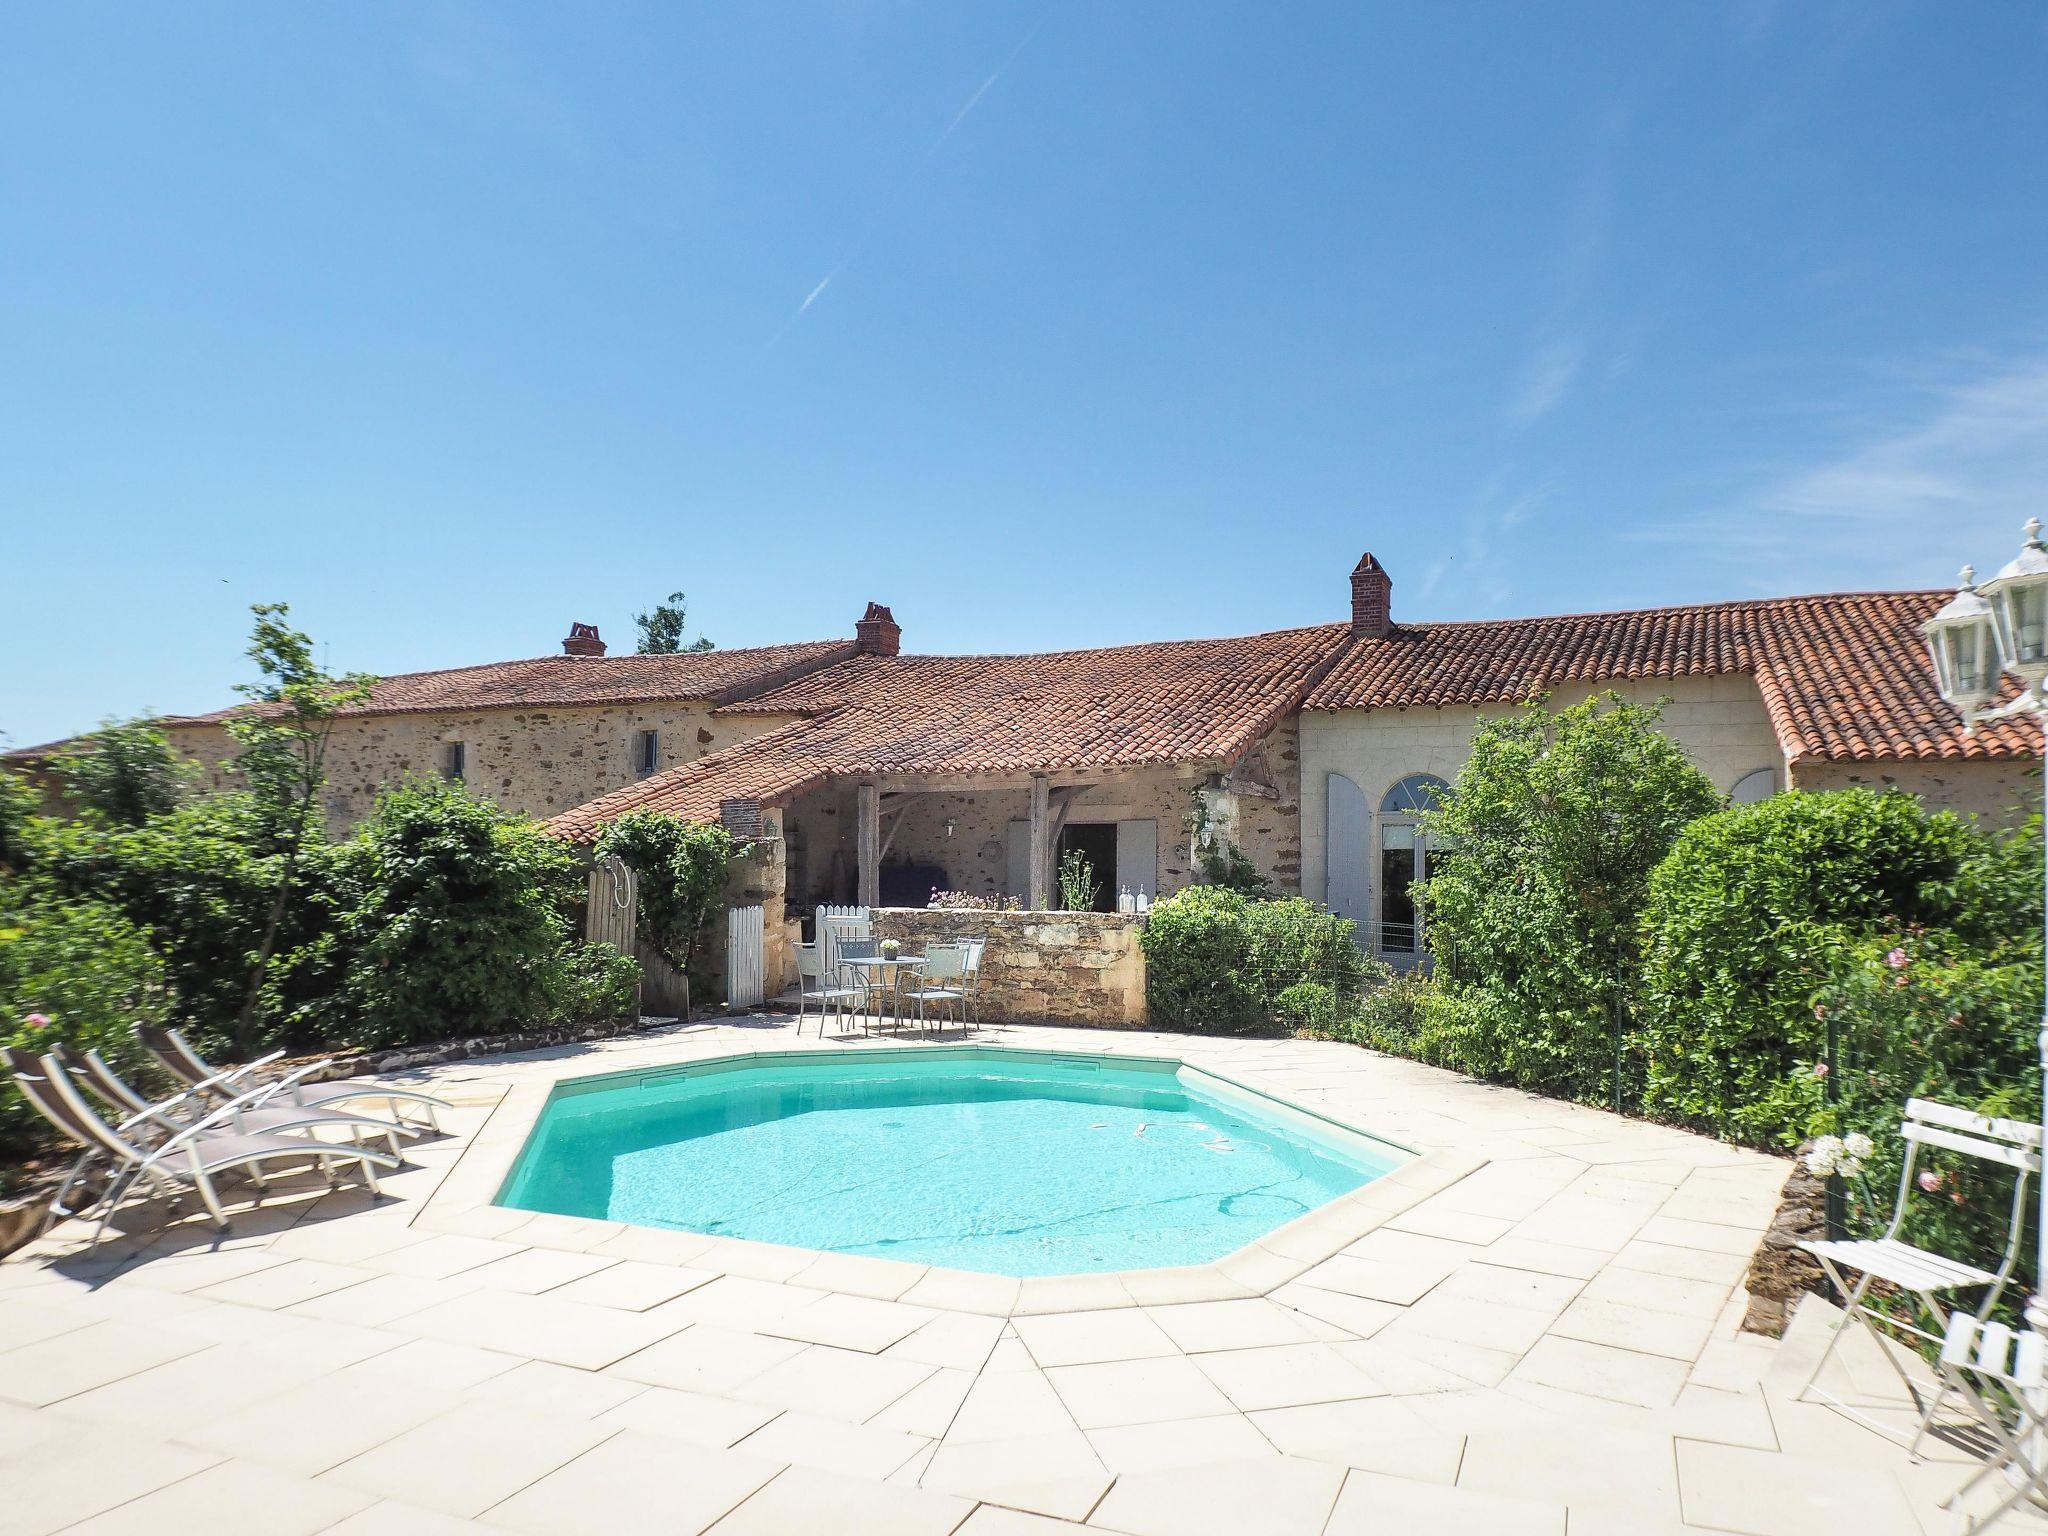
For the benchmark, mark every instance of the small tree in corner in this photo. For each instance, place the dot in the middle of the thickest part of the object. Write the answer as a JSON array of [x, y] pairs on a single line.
[[283, 760], [682, 867]]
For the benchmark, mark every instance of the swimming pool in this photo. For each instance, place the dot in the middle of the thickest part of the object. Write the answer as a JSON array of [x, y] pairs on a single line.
[[1008, 1162]]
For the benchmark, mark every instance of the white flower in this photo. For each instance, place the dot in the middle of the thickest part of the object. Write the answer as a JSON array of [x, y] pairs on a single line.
[[1858, 1145], [1825, 1157]]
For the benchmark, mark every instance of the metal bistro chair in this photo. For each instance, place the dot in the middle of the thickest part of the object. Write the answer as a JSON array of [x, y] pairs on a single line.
[[970, 983], [812, 987], [1914, 1271], [942, 981], [858, 979]]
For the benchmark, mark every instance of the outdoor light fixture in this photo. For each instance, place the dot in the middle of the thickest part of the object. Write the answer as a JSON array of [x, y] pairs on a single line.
[[1963, 638], [1976, 636]]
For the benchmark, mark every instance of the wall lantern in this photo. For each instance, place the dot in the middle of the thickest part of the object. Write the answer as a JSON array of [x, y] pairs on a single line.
[[1963, 640], [2019, 605]]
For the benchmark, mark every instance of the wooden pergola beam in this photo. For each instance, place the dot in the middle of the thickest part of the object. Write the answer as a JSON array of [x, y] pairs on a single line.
[[868, 844], [1041, 845]]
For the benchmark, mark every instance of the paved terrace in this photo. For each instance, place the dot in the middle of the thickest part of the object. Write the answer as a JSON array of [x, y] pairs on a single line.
[[1548, 1345]]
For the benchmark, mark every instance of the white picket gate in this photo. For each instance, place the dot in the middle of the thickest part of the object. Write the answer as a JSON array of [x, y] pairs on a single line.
[[744, 956]]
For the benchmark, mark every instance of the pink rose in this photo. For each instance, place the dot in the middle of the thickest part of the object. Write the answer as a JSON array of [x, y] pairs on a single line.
[[37, 1021], [1820, 1069], [1896, 959], [1930, 1180]]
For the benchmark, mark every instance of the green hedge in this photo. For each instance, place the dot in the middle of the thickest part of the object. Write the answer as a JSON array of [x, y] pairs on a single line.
[[1752, 912], [1217, 960], [72, 972]]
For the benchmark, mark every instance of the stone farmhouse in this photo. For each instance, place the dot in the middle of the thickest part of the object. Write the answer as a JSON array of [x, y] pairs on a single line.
[[880, 777]]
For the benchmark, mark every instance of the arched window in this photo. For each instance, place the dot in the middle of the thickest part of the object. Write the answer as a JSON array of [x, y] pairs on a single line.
[[1752, 787], [1417, 792], [1404, 859]]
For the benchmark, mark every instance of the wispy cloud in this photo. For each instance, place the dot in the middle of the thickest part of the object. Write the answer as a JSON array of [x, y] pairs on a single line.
[[1945, 476], [1546, 379], [1565, 338]]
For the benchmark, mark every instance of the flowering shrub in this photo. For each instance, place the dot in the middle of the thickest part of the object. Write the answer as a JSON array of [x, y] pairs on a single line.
[[1926, 1015]]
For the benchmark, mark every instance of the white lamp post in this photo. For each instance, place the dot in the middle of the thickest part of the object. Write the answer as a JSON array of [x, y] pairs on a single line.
[[1976, 636]]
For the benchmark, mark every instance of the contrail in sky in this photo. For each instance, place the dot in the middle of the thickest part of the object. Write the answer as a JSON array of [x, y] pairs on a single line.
[[958, 118]]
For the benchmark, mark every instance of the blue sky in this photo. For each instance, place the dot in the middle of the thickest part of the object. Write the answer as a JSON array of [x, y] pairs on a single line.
[[1048, 324]]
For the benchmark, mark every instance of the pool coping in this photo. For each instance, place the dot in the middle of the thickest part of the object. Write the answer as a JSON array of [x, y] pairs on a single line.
[[464, 1204]]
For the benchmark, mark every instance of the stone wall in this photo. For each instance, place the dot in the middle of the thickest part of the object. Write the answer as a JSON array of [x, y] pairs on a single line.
[[536, 761], [2000, 793], [1041, 967]]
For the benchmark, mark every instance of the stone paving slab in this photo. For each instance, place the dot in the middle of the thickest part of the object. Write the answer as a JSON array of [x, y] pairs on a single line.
[[1530, 1328]]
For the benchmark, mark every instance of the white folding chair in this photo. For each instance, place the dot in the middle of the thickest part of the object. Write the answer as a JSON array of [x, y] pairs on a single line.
[[1923, 1275], [1997, 1371]]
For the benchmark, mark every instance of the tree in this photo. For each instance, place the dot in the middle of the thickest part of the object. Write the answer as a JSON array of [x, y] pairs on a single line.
[[1541, 864], [661, 632], [283, 736], [126, 771], [682, 867]]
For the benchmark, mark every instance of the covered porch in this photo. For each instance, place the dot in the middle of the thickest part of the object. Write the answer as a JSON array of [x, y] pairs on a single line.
[[898, 839]]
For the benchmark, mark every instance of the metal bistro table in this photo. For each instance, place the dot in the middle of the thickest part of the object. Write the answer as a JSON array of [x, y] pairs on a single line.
[[881, 976]]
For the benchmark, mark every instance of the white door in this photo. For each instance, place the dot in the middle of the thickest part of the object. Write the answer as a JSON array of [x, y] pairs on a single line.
[[1137, 856]]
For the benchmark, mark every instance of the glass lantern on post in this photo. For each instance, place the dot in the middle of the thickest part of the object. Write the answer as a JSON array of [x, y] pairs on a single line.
[[1975, 637], [2019, 606]]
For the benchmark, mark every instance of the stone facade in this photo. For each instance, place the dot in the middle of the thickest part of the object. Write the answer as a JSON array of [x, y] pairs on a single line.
[[535, 761], [1999, 792], [1041, 967]]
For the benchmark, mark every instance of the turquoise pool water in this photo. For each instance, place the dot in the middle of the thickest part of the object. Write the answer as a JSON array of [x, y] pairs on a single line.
[[1006, 1162]]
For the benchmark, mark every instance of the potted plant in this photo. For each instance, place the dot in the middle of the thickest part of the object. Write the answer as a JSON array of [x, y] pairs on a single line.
[[889, 949]]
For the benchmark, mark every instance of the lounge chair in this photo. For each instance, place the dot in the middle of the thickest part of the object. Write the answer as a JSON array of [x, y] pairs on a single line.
[[255, 1110], [189, 1067], [187, 1159]]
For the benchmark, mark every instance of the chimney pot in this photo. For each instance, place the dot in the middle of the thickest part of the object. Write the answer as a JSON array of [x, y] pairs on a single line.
[[583, 641], [1372, 598], [877, 633]]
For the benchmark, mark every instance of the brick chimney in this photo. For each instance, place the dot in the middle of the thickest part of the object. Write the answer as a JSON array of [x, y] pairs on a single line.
[[583, 641], [1372, 598], [877, 633]]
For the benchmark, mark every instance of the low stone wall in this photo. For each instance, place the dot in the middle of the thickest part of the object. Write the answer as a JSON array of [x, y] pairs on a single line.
[[1041, 967]]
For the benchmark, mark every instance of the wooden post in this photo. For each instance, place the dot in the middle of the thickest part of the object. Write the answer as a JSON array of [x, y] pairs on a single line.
[[868, 844], [1041, 846]]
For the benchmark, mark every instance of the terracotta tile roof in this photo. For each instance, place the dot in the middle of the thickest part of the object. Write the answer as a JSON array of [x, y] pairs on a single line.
[[1183, 701], [1844, 676], [770, 768], [556, 681]]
